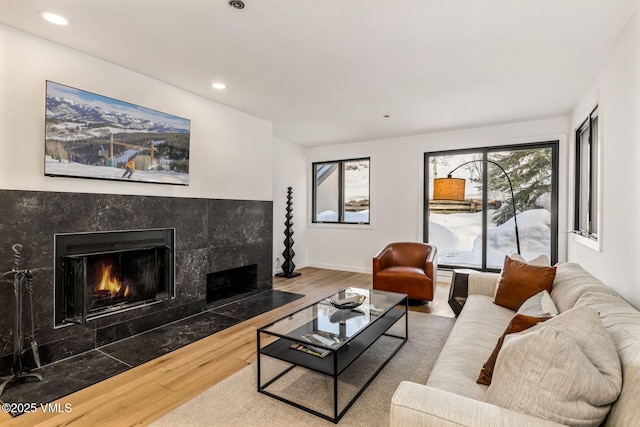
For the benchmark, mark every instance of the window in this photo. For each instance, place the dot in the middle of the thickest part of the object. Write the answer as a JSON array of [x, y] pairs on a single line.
[[478, 230], [586, 185], [341, 191]]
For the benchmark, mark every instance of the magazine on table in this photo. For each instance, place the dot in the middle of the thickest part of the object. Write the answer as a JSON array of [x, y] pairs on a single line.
[[324, 338], [305, 348]]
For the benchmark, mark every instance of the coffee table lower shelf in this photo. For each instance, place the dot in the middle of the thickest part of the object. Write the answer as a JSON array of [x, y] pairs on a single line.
[[335, 363]]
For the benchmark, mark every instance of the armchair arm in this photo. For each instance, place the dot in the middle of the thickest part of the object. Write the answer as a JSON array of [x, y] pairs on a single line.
[[384, 259], [420, 405], [431, 263]]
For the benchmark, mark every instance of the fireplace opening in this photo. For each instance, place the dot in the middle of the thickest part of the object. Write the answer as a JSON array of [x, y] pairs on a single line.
[[124, 278], [103, 273], [226, 284]]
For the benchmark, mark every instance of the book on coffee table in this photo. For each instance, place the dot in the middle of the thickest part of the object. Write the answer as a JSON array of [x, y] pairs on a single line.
[[324, 338], [309, 349]]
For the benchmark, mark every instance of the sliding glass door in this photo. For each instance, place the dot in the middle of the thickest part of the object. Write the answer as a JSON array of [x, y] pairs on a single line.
[[454, 225], [478, 229]]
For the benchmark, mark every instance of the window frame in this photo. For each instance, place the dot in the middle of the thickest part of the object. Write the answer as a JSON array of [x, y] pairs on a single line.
[[485, 152], [341, 191], [591, 180]]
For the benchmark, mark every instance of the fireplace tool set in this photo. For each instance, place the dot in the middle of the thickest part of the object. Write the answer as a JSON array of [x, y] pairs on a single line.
[[22, 280]]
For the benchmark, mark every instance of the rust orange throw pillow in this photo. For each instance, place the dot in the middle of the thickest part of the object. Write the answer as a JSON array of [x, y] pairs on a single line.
[[520, 281], [519, 323]]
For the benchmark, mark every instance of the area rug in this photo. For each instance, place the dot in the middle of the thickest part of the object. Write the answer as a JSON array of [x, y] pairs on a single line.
[[236, 402]]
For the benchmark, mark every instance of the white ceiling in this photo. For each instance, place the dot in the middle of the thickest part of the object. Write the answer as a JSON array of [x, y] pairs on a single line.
[[326, 71]]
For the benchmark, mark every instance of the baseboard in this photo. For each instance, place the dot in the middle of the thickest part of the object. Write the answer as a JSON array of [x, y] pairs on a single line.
[[442, 274], [298, 266], [349, 268]]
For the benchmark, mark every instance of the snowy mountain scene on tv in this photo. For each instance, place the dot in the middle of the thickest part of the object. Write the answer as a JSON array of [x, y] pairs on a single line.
[[93, 136]]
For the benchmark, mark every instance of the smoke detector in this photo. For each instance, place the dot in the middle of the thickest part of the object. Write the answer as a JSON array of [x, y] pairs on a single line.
[[236, 4]]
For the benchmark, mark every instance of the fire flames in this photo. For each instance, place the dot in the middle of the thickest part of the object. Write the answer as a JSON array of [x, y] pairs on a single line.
[[110, 283]]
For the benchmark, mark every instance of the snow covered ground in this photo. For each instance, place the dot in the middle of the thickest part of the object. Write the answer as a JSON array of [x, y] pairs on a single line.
[[332, 216], [356, 189], [55, 167], [357, 183], [459, 237]]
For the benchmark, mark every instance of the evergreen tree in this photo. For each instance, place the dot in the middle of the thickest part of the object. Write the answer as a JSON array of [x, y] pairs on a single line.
[[530, 174]]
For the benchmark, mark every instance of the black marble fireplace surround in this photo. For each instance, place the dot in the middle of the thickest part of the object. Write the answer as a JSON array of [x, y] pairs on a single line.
[[211, 235]]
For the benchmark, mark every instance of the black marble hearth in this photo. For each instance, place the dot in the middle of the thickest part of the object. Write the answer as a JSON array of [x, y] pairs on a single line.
[[75, 373], [210, 235]]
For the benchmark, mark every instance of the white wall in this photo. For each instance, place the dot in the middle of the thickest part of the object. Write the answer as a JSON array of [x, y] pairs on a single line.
[[231, 152], [290, 171], [617, 89], [397, 181]]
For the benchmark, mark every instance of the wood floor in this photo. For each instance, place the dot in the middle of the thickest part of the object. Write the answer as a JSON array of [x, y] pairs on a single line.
[[145, 393]]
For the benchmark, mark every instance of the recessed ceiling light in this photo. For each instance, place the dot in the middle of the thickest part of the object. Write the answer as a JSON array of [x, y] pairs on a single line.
[[218, 86], [236, 4], [386, 116], [54, 18]]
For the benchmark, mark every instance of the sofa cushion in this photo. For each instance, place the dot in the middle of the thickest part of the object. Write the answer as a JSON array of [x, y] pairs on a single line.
[[539, 305], [470, 343], [540, 260], [622, 321], [570, 282], [520, 281], [519, 323], [565, 369]]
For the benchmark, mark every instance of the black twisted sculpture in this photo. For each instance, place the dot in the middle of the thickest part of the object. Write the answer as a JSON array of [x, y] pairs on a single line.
[[288, 266]]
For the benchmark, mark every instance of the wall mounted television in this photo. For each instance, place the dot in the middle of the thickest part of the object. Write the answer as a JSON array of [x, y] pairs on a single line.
[[93, 136]]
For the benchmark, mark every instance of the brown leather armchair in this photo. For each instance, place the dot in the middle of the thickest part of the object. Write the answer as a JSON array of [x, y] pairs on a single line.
[[407, 267]]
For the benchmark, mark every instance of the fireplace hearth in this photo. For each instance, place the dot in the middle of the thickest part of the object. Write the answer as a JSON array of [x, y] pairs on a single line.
[[97, 274]]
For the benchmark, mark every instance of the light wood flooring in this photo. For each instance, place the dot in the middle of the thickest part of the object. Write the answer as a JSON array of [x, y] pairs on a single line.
[[145, 393]]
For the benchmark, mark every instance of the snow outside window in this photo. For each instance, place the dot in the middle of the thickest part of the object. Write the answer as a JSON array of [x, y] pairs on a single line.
[[479, 231], [341, 191]]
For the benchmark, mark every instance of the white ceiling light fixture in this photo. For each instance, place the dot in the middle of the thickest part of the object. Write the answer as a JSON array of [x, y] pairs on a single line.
[[54, 18], [218, 85]]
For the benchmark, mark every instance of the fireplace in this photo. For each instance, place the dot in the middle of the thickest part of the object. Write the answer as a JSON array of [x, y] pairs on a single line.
[[231, 283], [102, 273]]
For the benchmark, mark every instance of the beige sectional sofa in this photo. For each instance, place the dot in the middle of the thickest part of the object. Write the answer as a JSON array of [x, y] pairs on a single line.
[[451, 396]]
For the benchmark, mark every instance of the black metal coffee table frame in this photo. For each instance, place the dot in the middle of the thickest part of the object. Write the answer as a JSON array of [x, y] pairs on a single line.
[[339, 359]]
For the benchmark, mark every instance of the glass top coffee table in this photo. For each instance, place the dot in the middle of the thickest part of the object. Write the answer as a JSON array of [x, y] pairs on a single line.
[[321, 358]]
